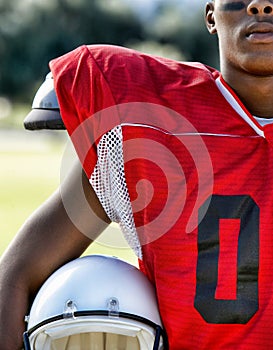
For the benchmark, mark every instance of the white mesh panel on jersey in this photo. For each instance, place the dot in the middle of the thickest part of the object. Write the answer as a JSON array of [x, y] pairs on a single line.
[[109, 183]]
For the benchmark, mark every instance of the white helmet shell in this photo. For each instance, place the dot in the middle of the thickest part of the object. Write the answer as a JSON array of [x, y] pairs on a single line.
[[95, 302], [45, 113]]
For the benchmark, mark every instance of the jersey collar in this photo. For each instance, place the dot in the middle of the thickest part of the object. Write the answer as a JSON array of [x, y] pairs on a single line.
[[238, 106]]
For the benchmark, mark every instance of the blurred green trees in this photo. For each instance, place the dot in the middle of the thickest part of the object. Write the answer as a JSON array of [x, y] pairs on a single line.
[[32, 32]]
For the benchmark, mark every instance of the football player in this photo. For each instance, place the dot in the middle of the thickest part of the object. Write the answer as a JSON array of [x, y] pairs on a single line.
[[180, 155]]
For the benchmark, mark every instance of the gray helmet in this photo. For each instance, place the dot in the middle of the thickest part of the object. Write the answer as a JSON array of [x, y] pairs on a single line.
[[45, 113]]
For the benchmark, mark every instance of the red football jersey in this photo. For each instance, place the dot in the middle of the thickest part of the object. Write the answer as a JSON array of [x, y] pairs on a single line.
[[178, 161]]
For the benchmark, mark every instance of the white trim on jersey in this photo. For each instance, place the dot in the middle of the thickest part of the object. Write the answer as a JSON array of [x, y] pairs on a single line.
[[229, 96], [263, 121], [183, 133]]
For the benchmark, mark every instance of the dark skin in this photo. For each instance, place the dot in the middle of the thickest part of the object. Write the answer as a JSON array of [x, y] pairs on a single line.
[[49, 238], [245, 33], [46, 241]]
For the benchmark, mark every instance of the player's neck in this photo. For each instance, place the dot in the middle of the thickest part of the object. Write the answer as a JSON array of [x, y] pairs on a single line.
[[255, 92]]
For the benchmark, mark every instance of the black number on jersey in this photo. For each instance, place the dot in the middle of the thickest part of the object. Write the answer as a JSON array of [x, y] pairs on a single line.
[[241, 308]]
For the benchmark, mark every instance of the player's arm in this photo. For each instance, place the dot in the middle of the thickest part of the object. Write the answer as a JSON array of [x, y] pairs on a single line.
[[46, 241]]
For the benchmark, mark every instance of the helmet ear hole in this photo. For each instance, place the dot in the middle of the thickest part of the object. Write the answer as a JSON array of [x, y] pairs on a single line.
[[98, 300]]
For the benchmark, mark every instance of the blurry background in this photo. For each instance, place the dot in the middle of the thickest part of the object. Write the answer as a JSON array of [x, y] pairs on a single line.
[[32, 32]]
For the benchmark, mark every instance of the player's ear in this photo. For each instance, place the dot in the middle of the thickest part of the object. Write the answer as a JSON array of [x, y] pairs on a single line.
[[209, 18]]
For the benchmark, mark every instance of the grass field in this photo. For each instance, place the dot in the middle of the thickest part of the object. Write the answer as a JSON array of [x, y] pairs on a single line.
[[30, 172]]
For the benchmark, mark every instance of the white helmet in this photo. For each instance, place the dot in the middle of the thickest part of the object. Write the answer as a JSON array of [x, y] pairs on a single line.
[[45, 113], [96, 303]]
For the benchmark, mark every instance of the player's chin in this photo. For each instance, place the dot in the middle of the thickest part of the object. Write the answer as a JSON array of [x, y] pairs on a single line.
[[259, 66]]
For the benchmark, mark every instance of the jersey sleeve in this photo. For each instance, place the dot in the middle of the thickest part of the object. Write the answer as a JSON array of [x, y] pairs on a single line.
[[90, 113], [82, 93]]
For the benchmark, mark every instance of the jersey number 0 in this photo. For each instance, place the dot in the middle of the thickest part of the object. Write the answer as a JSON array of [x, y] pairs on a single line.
[[211, 245]]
